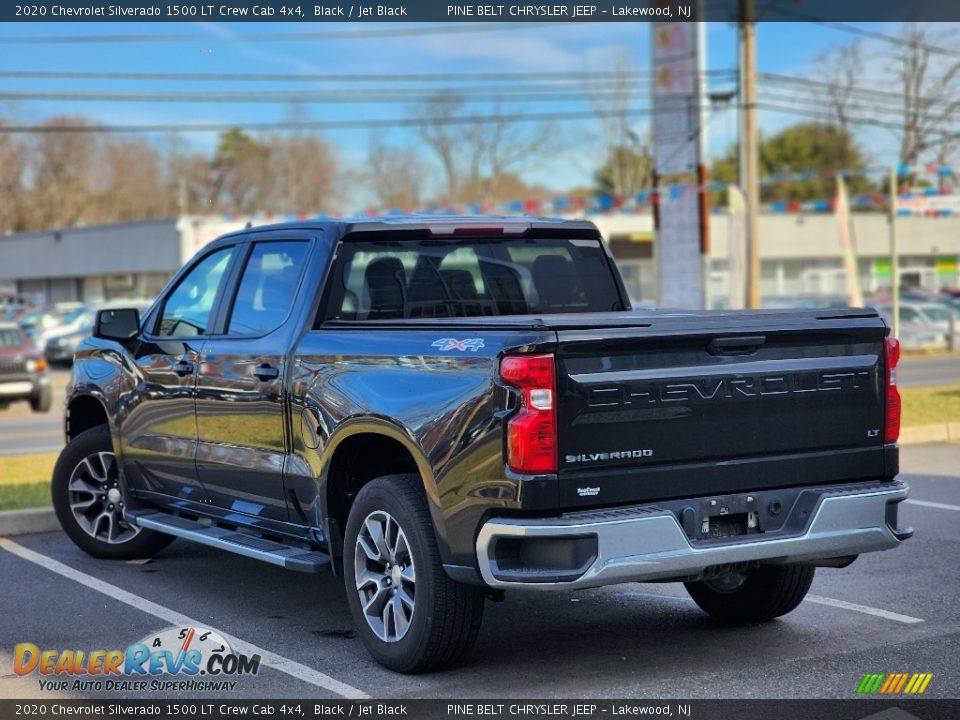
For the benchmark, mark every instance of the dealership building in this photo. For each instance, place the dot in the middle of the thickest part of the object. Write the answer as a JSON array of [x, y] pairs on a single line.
[[800, 255]]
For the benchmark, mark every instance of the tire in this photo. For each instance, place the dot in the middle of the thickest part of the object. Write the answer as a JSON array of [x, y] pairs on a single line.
[[83, 485], [767, 593], [441, 624], [42, 401]]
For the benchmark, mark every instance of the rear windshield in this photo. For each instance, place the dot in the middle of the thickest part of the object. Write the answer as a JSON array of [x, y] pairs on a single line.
[[391, 279]]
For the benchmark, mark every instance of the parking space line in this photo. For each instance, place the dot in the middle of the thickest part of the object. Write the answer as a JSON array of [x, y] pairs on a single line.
[[927, 503], [877, 612], [277, 662]]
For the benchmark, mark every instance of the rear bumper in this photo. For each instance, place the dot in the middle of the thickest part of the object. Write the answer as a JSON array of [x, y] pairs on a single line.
[[648, 543]]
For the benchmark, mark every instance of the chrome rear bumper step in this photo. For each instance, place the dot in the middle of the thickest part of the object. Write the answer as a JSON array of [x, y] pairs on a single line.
[[642, 544], [290, 557]]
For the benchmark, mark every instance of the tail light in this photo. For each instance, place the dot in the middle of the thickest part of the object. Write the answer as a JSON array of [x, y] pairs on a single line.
[[532, 432], [891, 429]]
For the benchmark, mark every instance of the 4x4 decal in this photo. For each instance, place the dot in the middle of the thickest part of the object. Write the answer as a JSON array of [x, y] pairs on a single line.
[[454, 344]]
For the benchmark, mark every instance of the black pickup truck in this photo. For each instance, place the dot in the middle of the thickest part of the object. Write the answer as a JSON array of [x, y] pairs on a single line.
[[441, 409]]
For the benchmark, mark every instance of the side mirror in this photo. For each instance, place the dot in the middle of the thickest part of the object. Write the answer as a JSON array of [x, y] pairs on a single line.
[[120, 325]]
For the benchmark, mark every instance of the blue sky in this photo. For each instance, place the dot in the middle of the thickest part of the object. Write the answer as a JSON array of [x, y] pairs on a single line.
[[788, 48]]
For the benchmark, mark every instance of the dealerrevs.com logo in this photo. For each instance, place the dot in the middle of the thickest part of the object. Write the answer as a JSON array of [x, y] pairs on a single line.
[[177, 659]]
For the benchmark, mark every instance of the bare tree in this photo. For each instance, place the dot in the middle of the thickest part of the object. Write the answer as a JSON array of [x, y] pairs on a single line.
[[479, 154], [13, 164], [303, 171], [622, 146], [131, 183], [396, 176], [61, 165], [506, 148], [842, 70], [189, 178], [930, 86], [441, 137]]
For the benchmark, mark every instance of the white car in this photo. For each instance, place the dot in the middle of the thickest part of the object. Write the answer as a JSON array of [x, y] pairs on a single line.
[[923, 326]]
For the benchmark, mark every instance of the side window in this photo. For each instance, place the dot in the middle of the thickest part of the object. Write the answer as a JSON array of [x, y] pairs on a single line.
[[186, 311], [267, 287]]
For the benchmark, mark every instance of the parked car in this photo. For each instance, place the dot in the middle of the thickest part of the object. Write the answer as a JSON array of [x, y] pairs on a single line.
[[40, 322], [12, 313], [23, 373], [62, 322], [445, 409], [61, 342], [915, 334], [927, 318]]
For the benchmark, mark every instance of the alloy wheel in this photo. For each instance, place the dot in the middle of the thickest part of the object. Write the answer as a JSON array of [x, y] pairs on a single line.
[[96, 500], [385, 576]]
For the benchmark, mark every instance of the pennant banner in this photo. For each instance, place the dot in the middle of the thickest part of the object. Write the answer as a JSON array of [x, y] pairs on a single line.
[[935, 200]]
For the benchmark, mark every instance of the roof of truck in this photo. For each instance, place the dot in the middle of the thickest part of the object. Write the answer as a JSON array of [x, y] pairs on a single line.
[[436, 224]]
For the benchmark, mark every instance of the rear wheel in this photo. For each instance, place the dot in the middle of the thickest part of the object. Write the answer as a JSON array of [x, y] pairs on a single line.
[[769, 592], [89, 501], [410, 616]]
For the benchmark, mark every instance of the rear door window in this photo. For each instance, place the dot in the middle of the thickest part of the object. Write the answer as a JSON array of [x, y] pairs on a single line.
[[381, 280], [267, 287]]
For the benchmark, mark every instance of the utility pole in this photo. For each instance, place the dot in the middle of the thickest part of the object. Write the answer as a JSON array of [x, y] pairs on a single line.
[[894, 255], [182, 196], [749, 144]]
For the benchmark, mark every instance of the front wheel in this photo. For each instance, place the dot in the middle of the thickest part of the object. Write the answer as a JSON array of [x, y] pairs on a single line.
[[409, 614], [42, 401], [88, 500], [769, 592]]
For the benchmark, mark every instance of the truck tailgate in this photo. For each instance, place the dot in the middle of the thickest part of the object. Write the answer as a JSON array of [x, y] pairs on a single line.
[[698, 404]]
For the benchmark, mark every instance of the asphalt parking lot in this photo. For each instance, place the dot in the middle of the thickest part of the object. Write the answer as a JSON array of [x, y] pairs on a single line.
[[897, 611]]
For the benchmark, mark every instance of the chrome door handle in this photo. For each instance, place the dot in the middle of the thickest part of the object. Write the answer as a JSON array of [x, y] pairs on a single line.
[[266, 372]]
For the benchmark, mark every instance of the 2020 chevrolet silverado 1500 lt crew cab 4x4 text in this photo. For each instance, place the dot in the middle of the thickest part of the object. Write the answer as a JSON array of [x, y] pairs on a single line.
[[441, 409]]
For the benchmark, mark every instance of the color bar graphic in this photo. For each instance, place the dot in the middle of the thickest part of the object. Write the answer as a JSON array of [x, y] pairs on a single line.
[[894, 683]]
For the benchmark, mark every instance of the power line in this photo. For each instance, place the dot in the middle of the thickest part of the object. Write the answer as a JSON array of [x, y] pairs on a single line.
[[323, 124], [361, 34], [875, 100], [824, 115], [804, 110], [533, 93], [335, 77], [304, 125], [864, 32], [874, 97], [863, 92]]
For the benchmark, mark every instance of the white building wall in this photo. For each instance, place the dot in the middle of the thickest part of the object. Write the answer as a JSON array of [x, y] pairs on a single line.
[[800, 254]]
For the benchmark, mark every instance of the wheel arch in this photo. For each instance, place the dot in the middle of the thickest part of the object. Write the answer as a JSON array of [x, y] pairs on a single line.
[[84, 411], [361, 450]]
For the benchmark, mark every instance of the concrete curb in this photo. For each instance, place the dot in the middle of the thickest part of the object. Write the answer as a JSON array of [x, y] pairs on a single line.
[[937, 433], [31, 520]]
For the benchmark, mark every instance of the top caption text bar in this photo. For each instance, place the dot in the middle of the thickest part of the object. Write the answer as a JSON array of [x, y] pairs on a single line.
[[446, 11]]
